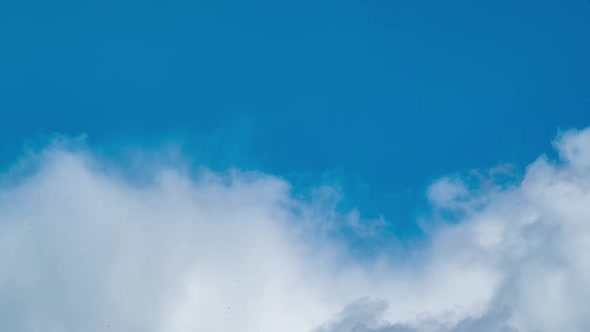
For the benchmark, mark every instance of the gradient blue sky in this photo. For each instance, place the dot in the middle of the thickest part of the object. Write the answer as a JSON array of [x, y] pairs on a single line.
[[382, 97]]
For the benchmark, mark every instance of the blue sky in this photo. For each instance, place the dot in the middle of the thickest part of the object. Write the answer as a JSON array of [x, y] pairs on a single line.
[[385, 96], [395, 105]]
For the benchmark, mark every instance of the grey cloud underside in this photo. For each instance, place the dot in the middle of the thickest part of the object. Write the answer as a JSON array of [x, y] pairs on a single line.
[[82, 249], [364, 316]]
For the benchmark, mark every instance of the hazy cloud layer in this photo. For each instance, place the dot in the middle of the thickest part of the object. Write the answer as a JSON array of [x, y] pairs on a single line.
[[85, 248]]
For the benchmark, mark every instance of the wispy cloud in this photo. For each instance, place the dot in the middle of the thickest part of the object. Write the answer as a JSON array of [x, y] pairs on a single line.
[[84, 248]]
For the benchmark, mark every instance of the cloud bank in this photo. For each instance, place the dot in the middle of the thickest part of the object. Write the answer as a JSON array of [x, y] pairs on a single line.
[[84, 247]]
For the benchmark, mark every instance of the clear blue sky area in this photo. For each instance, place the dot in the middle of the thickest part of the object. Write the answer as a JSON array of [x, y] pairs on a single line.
[[383, 96]]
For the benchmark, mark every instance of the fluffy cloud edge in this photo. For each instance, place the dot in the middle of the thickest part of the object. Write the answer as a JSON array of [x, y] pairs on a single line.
[[84, 248]]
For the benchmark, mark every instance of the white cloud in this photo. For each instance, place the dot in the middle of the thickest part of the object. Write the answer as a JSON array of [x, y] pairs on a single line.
[[447, 193], [85, 248]]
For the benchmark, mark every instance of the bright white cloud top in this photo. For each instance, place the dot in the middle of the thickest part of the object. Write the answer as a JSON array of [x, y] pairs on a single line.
[[82, 249]]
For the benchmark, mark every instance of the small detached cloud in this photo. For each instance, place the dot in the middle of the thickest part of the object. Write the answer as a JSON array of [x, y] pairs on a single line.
[[448, 193], [83, 247]]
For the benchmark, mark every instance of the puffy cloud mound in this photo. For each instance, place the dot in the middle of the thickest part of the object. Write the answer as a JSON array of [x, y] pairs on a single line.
[[84, 247]]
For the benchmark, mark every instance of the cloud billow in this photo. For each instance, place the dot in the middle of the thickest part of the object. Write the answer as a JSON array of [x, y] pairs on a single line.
[[85, 248]]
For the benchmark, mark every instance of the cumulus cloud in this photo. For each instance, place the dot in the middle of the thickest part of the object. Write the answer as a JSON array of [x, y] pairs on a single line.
[[85, 247]]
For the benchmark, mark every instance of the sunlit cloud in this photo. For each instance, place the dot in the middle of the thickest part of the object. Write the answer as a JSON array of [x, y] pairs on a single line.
[[84, 247]]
